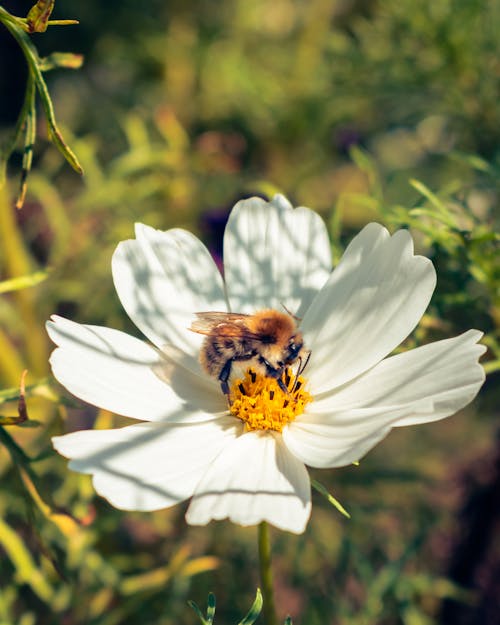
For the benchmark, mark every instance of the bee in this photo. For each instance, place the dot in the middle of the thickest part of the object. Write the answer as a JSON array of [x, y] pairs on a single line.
[[268, 339]]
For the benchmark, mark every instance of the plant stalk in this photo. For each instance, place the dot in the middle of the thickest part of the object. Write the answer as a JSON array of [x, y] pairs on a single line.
[[266, 575]]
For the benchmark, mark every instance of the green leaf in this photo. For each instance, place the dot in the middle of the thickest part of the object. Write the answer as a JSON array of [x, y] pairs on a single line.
[[330, 498], [23, 282], [211, 607], [473, 160], [446, 216], [33, 61], [38, 16], [194, 606], [30, 423], [24, 565], [20, 129], [68, 60], [29, 141], [210, 610], [254, 611], [366, 164]]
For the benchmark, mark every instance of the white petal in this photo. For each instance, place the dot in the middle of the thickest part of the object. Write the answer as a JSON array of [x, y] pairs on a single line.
[[335, 439], [424, 384], [373, 300], [254, 479], [115, 371], [147, 466], [162, 279], [445, 373], [274, 256]]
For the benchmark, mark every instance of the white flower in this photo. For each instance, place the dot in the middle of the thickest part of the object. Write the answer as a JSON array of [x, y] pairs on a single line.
[[188, 444]]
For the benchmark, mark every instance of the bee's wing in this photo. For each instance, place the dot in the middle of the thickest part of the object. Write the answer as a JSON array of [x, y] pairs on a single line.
[[205, 322]]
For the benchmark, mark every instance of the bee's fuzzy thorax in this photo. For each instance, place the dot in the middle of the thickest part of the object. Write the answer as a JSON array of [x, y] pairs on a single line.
[[267, 339]]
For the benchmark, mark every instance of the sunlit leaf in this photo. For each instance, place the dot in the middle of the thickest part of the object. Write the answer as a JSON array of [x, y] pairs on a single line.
[[27, 572], [67, 60], [38, 16], [23, 282], [29, 142], [254, 611], [211, 607], [330, 498], [445, 215], [208, 620]]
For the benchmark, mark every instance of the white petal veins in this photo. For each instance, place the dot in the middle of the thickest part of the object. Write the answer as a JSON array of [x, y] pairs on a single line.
[[372, 301], [446, 374], [254, 479], [336, 439], [147, 466], [162, 279], [274, 256], [422, 385], [115, 371]]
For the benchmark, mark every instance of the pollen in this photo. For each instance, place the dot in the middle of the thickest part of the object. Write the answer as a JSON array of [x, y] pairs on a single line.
[[262, 405]]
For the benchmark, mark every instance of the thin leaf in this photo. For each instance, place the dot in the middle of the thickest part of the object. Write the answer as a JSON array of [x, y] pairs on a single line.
[[473, 160], [22, 409], [30, 423], [331, 499], [23, 282], [38, 16], [15, 138], [367, 165], [209, 619], [29, 142], [62, 22], [67, 524], [40, 388], [211, 607], [33, 63], [492, 366], [68, 60], [254, 611], [195, 607], [26, 571], [446, 216]]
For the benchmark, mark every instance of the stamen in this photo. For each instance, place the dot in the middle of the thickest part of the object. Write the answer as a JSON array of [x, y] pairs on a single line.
[[261, 403]]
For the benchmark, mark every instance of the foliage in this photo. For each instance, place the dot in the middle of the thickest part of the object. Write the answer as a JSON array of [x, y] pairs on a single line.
[[37, 20], [363, 110]]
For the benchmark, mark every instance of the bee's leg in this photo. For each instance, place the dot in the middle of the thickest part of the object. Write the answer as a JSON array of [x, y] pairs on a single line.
[[282, 386], [224, 376], [300, 369], [272, 372]]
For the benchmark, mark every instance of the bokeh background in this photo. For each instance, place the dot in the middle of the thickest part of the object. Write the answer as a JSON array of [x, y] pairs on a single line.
[[362, 110]]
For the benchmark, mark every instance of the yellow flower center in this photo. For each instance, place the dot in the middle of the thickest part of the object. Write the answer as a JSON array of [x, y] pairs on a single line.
[[263, 405]]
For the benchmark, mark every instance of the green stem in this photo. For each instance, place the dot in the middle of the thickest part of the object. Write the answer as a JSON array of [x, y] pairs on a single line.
[[266, 575], [492, 366], [31, 55]]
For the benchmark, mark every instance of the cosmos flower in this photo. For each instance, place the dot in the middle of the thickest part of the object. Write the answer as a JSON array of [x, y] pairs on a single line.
[[246, 460]]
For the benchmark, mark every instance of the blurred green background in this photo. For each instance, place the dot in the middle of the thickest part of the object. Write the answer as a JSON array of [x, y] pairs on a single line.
[[362, 110]]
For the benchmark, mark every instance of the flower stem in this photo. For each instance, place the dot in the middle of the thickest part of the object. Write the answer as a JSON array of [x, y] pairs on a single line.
[[266, 575]]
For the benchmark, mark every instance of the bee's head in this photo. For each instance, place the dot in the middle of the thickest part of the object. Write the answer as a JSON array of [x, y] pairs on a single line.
[[293, 349]]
